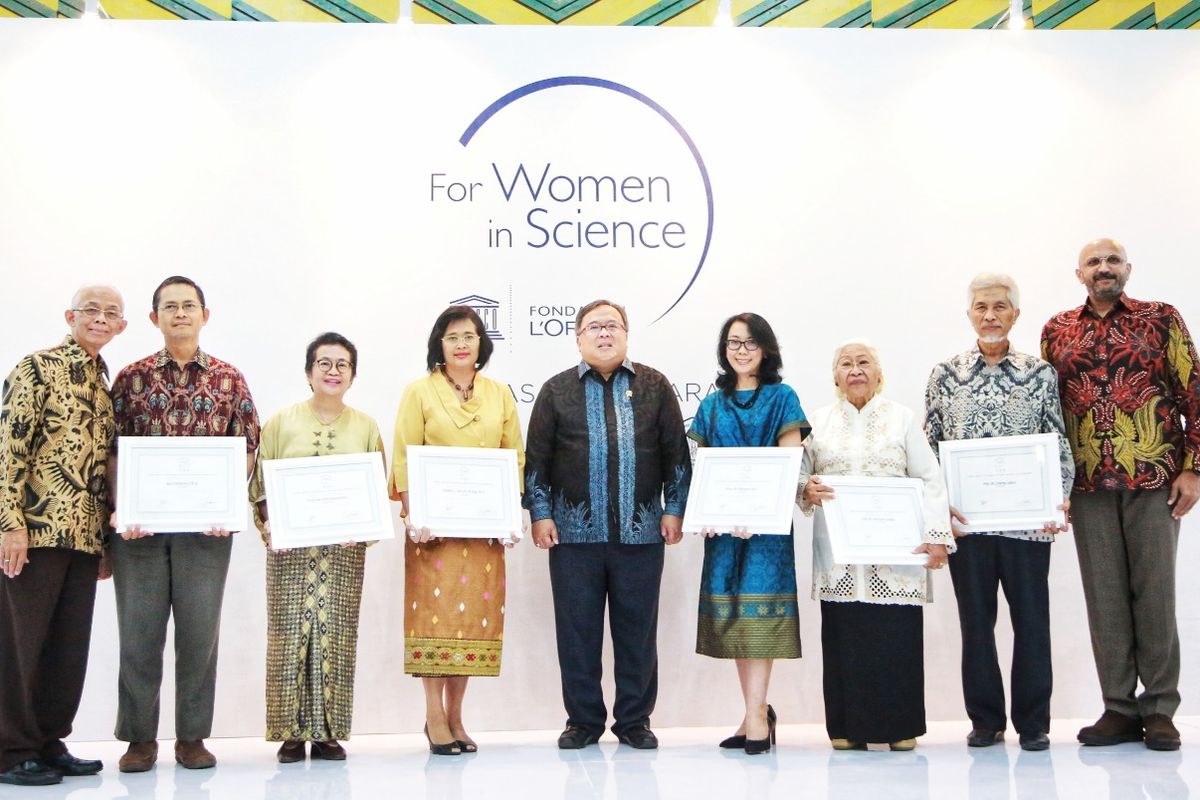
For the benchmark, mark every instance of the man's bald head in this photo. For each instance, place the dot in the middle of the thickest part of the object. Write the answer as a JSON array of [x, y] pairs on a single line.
[[97, 289], [1103, 268]]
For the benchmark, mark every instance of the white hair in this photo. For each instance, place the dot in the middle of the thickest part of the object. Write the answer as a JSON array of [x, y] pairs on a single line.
[[91, 287], [871, 351], [994, 280]]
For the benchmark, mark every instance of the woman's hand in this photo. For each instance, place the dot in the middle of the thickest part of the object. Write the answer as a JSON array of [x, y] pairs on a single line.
[[816, 492], [937, 555], [709, 533], [418, 535], [955, 516], [741, 533]]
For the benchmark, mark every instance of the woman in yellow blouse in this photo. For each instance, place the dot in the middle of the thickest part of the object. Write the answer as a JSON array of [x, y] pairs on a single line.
[[453, 588], [313, 594]]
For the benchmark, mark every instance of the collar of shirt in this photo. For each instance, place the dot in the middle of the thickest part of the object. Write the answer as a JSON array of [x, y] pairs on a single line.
[[200, 359], [1123, 303], [980, 360], [584, 368], [849, 408], [77, 353]]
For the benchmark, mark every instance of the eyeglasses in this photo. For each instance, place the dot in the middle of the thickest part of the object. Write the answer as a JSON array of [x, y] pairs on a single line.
[[341, 365], [188, 307], [95, 312], [454, 340], [733, 345], [611, 328], [1113, 260]]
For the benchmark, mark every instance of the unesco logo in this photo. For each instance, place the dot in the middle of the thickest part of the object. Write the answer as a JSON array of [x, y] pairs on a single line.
[[487, 309]]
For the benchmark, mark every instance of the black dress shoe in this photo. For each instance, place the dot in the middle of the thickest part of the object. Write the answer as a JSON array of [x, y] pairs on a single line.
[[73, 767], [329, 751], [31, 773], [639, 738], [978, 737], [1112, 728], [448, 749], [576, 738], [1035, 741]]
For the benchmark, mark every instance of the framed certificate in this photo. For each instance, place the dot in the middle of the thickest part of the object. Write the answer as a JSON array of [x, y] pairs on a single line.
[[1004, 483], [743, 487], [181, 484], [468, 492], [327, 500], [875, 520]]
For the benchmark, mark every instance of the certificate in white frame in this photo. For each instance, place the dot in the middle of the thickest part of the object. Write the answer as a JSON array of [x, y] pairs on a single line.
[[1004, 483], [322, 500], [466, 492], [181, 484], [875, 520], [745, 487]]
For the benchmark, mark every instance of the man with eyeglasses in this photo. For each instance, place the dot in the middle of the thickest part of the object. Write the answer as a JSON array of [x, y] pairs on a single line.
[[993, 390], [1131, 402], [179, 391], [607, 471], [56, 429]]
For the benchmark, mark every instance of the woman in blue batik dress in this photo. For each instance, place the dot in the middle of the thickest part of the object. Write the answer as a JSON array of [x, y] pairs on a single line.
[[748, 606]]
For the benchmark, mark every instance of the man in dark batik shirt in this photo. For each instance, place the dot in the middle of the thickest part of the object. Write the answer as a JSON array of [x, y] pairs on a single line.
[[178, 391], [607, 472], [1131, 402]]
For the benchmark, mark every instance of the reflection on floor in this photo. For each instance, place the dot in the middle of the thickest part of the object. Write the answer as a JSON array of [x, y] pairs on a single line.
[[689, 765]]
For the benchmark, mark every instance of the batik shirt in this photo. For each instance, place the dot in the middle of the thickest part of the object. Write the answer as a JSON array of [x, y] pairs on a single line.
[[1128, 383], [603, 456], [56, 429], [968, 399], [154, 397]]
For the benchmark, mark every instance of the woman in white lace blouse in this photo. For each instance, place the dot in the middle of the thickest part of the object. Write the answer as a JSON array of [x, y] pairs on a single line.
[[871, 615]]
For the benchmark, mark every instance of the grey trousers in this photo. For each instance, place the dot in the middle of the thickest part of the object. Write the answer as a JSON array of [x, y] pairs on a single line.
[[154, 577], [1127, 543]]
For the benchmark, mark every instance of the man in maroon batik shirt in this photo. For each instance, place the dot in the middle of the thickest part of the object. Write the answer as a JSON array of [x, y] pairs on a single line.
[[1131, 402], [179, 391]]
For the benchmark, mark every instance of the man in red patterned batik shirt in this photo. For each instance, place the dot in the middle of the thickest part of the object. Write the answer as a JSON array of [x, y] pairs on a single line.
[[1131, 402], [179, 391]]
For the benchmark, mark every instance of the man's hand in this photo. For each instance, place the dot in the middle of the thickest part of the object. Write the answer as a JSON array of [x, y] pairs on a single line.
[[545, 534], [104, 572], [1059, 527], [672, 528], [14, 552], [219, 532], [132, 532], [937, 555], [955, 516], [1185, 491]]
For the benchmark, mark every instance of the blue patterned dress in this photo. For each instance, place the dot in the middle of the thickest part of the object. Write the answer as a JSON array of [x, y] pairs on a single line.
[[748, 586]]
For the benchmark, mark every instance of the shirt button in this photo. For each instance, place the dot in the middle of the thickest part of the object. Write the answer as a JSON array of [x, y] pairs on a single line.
[[477, 418]]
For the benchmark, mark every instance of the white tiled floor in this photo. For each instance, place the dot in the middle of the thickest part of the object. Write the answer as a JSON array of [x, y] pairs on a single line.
[[688, 765]]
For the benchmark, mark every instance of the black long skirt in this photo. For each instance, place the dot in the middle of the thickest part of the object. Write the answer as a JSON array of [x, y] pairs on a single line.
[[874, 671]]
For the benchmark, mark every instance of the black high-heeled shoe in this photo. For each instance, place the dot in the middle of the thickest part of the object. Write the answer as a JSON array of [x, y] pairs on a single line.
[[738, 740], [755, 747], [448, 749]]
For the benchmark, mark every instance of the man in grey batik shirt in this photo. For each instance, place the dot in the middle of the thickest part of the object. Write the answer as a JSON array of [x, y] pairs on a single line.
[[992, 390]]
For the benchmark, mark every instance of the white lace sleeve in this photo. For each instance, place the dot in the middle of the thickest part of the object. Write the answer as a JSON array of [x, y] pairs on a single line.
[[924, 465]]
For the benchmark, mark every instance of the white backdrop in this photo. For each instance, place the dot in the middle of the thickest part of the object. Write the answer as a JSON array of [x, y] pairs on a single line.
[[859, 179]]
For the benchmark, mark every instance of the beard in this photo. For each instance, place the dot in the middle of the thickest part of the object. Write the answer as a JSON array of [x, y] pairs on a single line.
[[993, 339], [1110, 292]]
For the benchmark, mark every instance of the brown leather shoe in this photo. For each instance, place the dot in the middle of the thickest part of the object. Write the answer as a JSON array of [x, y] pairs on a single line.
[[140, 757], [290, 751], [1161, 733], [329, 751], [1111, 728], [193, 755]]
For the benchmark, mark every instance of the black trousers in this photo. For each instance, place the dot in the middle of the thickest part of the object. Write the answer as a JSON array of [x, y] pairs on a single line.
[[45, 631], [874, 671], [982, 565], [582, 578]]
